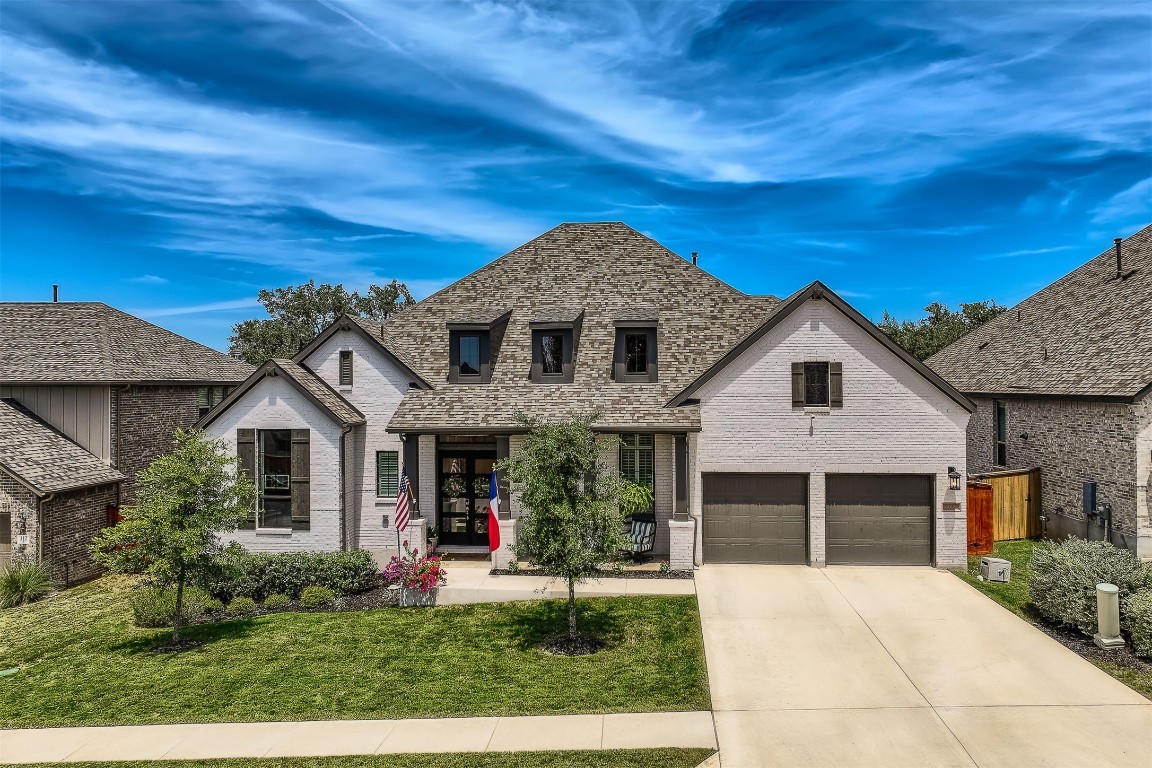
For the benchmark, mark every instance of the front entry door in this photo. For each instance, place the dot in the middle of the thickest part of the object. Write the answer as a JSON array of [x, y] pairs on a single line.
[[464, 481]]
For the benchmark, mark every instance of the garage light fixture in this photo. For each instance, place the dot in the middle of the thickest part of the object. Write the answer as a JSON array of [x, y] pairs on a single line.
[[953, 479]]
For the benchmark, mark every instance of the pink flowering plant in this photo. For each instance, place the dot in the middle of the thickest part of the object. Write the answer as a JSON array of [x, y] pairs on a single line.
[[415, 572]]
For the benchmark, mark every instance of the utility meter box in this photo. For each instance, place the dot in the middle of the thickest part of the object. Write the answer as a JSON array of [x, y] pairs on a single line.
[[995, 569]]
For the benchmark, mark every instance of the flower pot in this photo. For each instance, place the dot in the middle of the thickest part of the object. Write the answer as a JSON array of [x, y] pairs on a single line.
[[432, 542], [411, 597]]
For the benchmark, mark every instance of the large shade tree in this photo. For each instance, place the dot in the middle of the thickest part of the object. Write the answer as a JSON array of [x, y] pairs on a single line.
[[185, 500], [573, 516], [298, 313], [940, 327]]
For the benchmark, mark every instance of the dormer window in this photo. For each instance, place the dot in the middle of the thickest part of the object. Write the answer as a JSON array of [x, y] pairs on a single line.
[[555, 335], [635, 360], [472, 345]]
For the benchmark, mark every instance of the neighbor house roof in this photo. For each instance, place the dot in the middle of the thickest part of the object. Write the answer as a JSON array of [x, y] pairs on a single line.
[[93, 343], [43, 459], [1089, 334], [820, 292], [609, 272], [305, 381]]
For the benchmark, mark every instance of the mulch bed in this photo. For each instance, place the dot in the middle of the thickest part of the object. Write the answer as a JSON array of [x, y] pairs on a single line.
[[1074, 641], [581, 645], [604, 574]]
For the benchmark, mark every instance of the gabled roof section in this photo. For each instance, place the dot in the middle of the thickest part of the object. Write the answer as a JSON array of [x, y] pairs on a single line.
[[591, 273], [44, 460], [817, 291], [365, 329], [87, 342], [309, 384], [1089, 334]]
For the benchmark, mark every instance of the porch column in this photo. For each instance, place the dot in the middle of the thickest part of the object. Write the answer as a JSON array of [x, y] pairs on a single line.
[[502, 453], [682, 527]]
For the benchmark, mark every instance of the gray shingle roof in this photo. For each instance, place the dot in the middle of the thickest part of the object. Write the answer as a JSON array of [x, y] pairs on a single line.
[[91, 342], [304, 380], [1087, 334], [44, 459], [611, 272]]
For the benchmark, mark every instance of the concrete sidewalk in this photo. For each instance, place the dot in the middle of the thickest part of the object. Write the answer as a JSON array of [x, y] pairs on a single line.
[[359, 737], [898, 667], [470, 582]]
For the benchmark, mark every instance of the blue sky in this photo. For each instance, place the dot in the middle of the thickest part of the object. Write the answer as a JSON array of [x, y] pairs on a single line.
[[172, 159]]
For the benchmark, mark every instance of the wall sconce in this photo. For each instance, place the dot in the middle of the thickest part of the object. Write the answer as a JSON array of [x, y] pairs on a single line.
[[953, 479]]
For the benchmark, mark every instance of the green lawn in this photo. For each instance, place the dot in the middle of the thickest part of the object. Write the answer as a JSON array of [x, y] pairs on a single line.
[[627, 758], [84, 663], [1014, 597]]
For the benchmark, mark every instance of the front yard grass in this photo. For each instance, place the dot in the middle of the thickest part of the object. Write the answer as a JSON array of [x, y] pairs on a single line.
[[625, 758], [1014, 597], [84, 663]]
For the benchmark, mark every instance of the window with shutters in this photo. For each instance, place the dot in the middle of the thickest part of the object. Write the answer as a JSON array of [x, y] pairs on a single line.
[[638, 459], [817, 384], [387, 474], [278, 462], [346, 368]]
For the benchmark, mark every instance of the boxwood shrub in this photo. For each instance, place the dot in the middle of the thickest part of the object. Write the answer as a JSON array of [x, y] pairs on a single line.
[[1138, 621], [316, 596], [258, 575], [156, 606], [1065, 575]]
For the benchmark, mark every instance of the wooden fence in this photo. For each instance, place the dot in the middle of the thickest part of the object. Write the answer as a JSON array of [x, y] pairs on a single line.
[[1015, 503]]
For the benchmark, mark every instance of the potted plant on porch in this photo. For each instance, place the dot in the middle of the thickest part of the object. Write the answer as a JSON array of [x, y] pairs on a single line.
[[433, 538], [418, 578]]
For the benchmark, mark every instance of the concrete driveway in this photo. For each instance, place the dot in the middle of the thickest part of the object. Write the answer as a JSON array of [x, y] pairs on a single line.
[[900, 667]]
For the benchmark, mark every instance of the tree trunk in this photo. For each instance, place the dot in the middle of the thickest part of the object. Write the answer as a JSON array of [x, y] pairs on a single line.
[[571, 607], [179, 607]]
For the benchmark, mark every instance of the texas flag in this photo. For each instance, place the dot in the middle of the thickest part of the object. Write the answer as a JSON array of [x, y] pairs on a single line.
[[493, 514]]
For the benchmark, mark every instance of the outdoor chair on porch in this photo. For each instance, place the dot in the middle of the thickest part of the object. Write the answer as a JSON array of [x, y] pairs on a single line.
[[641, 535]]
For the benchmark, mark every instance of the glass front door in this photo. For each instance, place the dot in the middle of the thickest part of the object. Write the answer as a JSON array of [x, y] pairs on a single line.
[[464, 481]]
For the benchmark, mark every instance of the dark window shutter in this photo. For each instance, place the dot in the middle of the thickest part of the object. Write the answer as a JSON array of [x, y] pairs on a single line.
[[301, 487], [387, 474], [346, 368], [836, 385], [246, 463], [797, 385]]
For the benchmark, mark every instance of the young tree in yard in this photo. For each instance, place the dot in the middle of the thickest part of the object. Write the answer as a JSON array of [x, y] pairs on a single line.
[[573, 521], [299, 312], [184, 500], [927, 336]]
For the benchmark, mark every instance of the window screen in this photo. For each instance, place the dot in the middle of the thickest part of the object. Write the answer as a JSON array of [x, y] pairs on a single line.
[[815, 384]]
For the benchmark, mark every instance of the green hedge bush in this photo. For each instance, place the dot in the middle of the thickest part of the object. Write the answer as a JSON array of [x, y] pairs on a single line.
[[1065, 575], [241, 606], [277, 602], [22, 581], [1138, 621], [258, 575], [316, 596], [156, 606]]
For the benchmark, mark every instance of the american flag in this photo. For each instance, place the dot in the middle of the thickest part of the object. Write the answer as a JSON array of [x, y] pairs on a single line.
[[402, 502]]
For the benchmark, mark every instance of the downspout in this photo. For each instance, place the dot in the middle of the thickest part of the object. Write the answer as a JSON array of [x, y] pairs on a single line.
[[344, 432]]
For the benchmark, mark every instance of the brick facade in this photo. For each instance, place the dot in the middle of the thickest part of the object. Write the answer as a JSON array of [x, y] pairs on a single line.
[[145, 420], [1071, 441], [71, 519]]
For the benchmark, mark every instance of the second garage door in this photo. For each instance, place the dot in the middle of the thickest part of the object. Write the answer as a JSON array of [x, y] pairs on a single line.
[[879, 519], [755, 518]]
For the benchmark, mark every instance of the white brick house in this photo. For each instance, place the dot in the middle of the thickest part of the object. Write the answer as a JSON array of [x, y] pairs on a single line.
[[770, 431]]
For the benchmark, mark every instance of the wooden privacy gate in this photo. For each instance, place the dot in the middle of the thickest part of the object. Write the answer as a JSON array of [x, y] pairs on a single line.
[[1015, 503]]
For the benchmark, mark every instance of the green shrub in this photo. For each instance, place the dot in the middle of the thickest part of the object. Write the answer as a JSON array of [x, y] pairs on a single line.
[[23, 581], [277, 602], [241, 606], [316, 596], [1138, 621], [154, 606], [258, 575], [1065, 575]]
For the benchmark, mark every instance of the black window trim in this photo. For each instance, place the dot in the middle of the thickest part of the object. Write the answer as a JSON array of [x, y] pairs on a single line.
[[999, 425], [634, 327], [568, 331]]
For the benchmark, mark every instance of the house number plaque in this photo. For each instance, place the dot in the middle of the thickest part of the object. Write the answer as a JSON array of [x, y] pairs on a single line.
[[951, 506]]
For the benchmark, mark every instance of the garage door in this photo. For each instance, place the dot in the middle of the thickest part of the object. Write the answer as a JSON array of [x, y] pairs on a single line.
[[879, 519], [755, 518]]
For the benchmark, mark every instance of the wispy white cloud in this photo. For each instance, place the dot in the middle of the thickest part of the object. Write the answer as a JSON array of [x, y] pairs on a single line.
[[150, 280], [1133, 205], [195, 309], [1025, 252]]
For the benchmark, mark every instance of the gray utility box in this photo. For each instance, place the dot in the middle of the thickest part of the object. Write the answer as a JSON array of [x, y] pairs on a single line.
[[995, 569]]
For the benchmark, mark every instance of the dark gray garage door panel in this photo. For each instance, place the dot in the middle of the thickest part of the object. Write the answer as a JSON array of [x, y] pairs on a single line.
[[879, 519], [755, 518]]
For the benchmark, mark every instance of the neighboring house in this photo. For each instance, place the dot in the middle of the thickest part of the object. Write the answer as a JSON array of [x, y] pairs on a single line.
[[771, 431], [1063, 382], [89, 385]]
